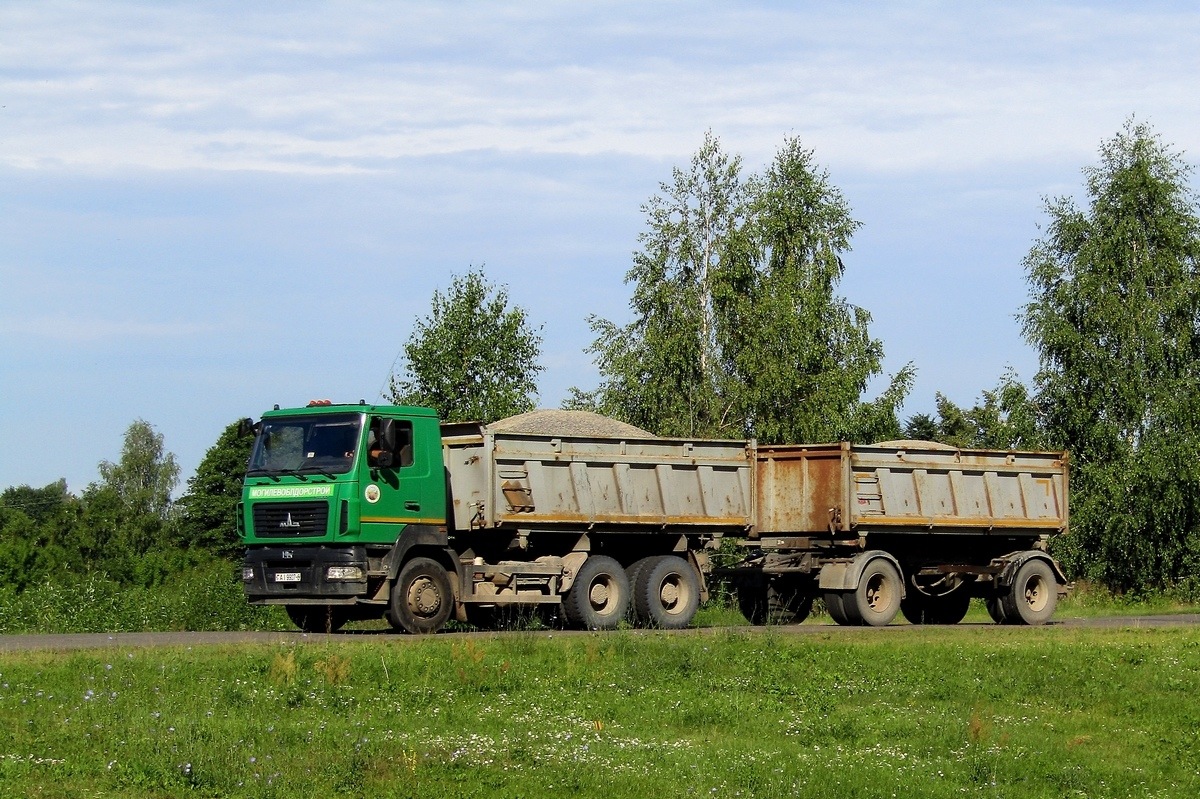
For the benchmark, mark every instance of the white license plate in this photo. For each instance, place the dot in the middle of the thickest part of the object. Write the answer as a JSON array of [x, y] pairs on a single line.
[[287, 577]]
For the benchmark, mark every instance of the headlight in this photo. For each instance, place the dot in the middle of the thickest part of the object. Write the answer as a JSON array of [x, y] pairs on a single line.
[[247, 574], [344, 573]]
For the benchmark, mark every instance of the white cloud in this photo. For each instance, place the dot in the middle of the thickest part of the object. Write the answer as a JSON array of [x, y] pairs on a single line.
[[350, 88]]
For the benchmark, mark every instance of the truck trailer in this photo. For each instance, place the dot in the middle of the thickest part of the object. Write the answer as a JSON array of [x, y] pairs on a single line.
[[356, 511]]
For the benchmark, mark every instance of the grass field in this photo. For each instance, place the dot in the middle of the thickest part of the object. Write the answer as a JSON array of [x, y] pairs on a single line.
[[972, 710]]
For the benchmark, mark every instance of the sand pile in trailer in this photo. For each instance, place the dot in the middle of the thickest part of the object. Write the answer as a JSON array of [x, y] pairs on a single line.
[[551, 422]]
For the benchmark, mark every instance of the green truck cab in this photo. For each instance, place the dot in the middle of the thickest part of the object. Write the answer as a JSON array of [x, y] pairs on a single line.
[[336, 498]]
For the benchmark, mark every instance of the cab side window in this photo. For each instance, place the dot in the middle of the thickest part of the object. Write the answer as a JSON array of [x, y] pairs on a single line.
[[393, 454], [404, 443]]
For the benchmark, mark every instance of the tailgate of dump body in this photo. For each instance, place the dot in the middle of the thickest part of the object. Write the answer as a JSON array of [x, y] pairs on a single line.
[[909, 486], [531, 481]]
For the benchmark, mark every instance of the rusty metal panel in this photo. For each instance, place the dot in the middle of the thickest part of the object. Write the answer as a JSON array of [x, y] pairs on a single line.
[[908, 486], [801, 488], [523, 480]]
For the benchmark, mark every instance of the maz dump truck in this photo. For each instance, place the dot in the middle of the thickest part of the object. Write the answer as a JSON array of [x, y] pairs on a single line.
[[355, 512]]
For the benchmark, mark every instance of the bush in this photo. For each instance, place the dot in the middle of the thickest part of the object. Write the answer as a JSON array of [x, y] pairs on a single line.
[[205, 596]]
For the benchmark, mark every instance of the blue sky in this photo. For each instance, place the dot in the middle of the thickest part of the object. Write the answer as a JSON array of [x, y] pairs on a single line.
[[208, 208]]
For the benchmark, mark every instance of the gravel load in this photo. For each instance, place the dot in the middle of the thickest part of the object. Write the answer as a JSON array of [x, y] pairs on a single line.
[[552, 422], [914, 443]]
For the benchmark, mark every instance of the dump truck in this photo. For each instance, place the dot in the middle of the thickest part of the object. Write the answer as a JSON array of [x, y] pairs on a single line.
[[357, 511]]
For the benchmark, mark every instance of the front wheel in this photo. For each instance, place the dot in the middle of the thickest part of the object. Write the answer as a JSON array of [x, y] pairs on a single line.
[[422, 598], [1033, 595], [599, 597], [666, 593]]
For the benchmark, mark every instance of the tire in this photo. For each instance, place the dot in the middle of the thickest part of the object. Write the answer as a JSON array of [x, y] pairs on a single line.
[[666, 593], [1033, 595], [948, 608], [422, 597], [632, 571], [876, 601], [837, 607], [774, 603], [599, 597], [318, 618], [995, 609]]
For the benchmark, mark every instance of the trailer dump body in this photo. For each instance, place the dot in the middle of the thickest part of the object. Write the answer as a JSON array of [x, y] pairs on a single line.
[[844, 489], [522, 480], [910, 527]]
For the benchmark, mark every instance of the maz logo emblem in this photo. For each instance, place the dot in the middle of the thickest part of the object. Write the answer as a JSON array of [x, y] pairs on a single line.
[[288, 522]]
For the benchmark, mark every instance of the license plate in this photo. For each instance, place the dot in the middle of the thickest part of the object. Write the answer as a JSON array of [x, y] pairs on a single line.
[[287, 577]]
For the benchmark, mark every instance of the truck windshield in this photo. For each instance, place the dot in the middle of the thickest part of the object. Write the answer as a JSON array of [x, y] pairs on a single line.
[[316, 444]]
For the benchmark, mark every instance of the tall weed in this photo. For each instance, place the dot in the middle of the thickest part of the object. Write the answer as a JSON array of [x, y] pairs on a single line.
[[204, 597]]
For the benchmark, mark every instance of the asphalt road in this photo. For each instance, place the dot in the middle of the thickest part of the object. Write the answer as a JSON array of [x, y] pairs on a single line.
[[29, 643]]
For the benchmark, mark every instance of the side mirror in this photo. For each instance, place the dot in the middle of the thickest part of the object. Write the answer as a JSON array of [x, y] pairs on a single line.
[[385, 460], [247, 427], [387, 435]]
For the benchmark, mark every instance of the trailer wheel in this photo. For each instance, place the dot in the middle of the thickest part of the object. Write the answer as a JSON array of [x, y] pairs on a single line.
[[422, 598], [318, 618], [837, 608], [666, 593], [995, 609], [774, 602], [599, 597], [1033, 595], [876, 601], [948, 608]]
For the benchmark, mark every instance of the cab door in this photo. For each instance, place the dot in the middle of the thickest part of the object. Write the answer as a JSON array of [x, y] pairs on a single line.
[[395, 484]]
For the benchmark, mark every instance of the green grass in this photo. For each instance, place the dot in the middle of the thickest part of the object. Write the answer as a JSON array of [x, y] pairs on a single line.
[[980, 711]]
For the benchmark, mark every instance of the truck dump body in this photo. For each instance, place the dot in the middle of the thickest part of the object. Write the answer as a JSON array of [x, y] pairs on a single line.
[[845, 489], [521, 480]]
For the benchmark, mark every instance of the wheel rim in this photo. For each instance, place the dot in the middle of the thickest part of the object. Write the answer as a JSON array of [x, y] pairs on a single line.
[[670, 592], [1036, 593], [878, 593], [601, 595], [424, 598]]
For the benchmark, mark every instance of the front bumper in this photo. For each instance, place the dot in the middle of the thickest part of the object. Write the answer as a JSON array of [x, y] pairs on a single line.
[[281, 575]]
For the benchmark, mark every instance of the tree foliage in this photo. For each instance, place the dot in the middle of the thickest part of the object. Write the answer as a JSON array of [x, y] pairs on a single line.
[[738, 328], [1115, 316], [208, 517], [474, 357], [1005, 417], [146, 474], [128, 512], [121, 526]]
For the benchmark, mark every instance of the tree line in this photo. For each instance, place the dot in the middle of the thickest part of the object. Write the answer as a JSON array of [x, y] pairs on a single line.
[[125, 526], [738, 329]]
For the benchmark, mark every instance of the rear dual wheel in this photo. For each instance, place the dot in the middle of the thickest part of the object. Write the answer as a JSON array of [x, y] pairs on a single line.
[[1032, 597], [948, 608], [666, 592], [874, 603], [599, 598], [774, 602]]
